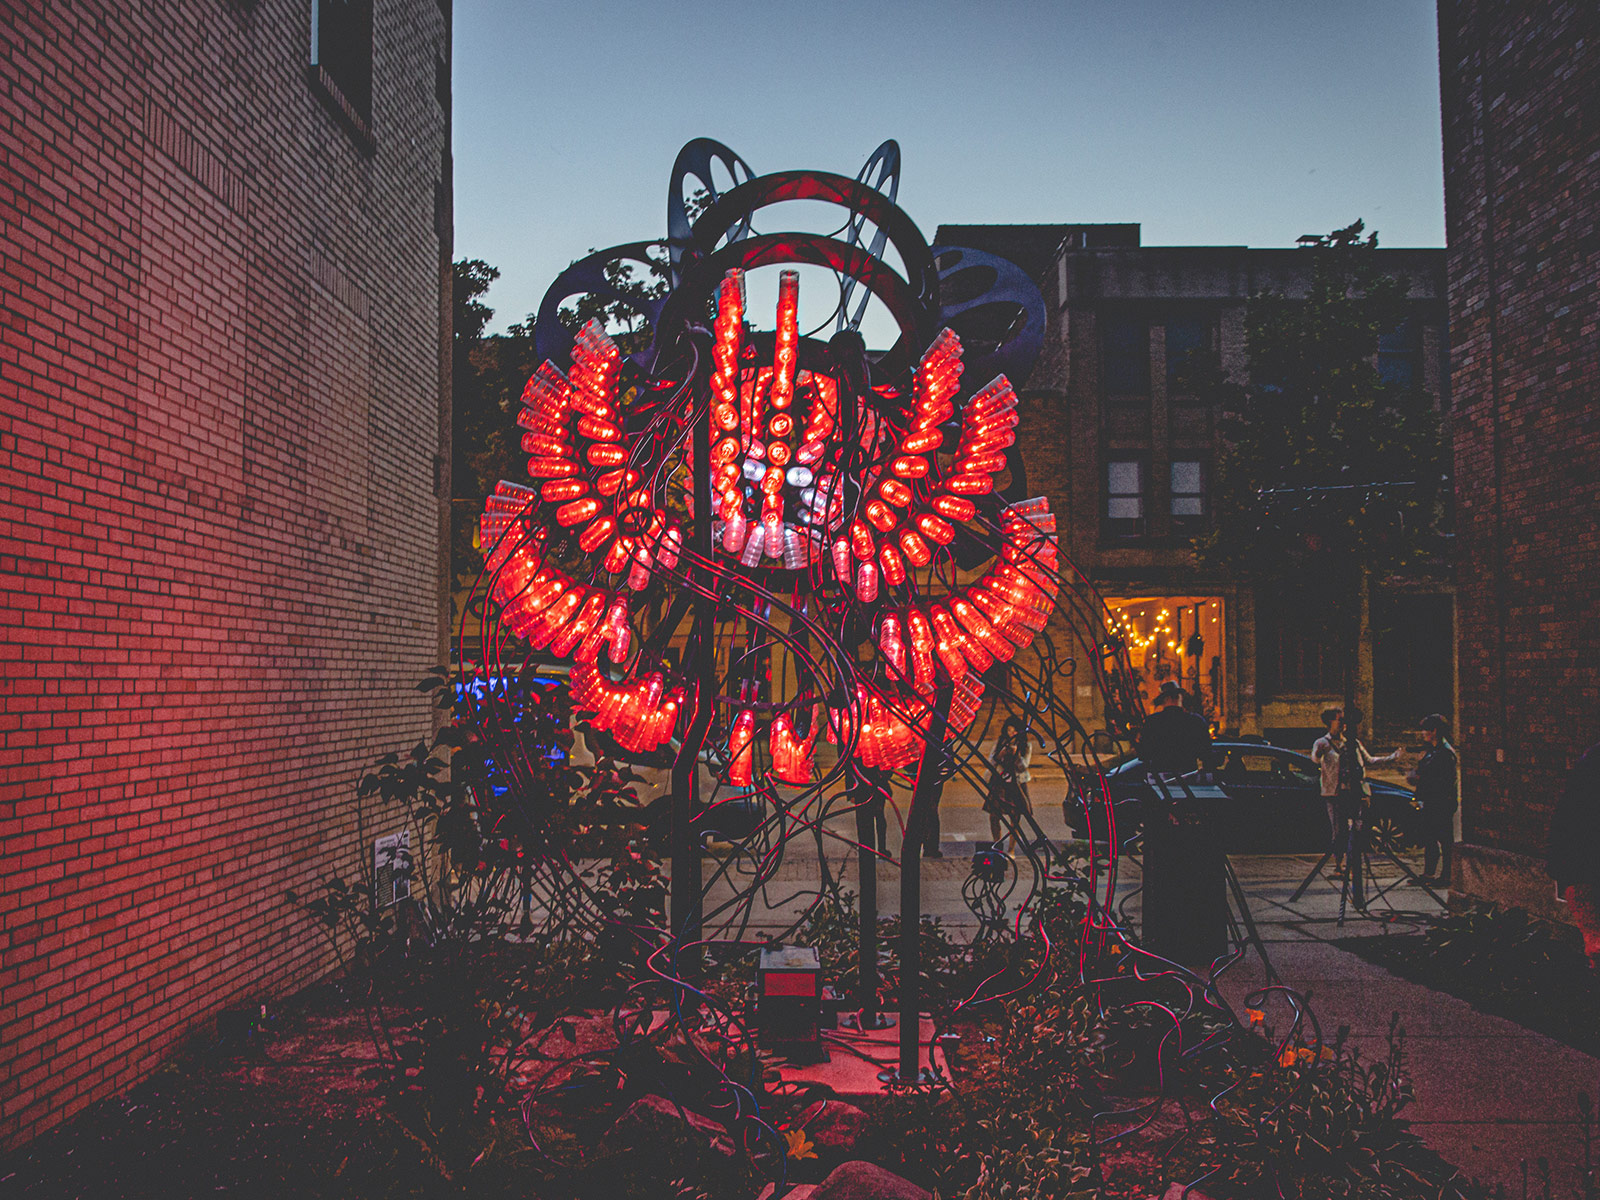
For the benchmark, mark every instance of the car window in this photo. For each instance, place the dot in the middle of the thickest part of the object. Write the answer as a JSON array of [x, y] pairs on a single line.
[[1262, 769], [1299, 771]]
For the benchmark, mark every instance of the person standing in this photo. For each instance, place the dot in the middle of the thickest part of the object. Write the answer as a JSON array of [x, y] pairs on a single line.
[[875, 784], [1174, 742], [1438, 794], [1008, 800], [1326, 753], [1574, 861]]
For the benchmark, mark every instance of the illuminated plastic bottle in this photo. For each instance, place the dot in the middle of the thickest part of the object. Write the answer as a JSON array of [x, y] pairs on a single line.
[[921, 647], [914, 548], [891, 643], [842, 561], [867, 582], [733, 533], [619, 633], [741, 751], [894, 567]]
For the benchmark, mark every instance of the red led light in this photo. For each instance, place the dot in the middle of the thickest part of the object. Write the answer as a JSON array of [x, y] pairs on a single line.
[[560, 490], [576, 512], [741, 749], [880, 515], [935, 529], [894, 568], [915, 549]]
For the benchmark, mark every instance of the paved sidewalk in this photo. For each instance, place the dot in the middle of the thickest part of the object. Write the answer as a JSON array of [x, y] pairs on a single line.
[[1489, 1094]]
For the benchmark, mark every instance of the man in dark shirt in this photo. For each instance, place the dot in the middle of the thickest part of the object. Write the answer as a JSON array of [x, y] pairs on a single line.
[[1172, 742]]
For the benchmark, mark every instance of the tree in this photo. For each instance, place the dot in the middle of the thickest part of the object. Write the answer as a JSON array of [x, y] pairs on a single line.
[[488, 374], [1329, 474]]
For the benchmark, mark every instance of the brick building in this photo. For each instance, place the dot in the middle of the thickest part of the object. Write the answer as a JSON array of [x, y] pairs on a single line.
[[1125, 456], [1520, 90], [223, 445]]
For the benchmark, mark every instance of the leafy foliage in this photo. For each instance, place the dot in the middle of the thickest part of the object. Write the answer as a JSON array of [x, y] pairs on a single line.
[[1505, 962], [1315, 413]]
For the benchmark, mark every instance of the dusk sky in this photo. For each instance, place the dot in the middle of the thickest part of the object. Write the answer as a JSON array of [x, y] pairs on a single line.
[[1209, 123]]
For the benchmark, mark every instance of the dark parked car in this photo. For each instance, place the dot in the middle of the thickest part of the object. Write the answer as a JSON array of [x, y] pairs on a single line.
[[1261, 799]]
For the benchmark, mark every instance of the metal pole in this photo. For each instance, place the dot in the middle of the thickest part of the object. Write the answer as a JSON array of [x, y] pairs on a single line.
[[1350, 789], [686, 884], [862, 791], [924, 800]]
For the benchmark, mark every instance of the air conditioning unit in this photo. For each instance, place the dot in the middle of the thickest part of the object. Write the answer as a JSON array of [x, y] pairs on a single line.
[[391, 868]]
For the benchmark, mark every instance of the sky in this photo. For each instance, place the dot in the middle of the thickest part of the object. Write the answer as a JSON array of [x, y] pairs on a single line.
[[1210, 123]]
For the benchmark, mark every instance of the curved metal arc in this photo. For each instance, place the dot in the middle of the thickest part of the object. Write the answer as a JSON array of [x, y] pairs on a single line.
[[856, 197], [696, 160], [587, 276], [886, 158], [1015, 356]]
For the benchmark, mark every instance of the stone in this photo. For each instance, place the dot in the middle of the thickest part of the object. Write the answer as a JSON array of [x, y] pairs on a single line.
[[654, 1122], [833, 1126], [1176, 1192], [866, 1181]]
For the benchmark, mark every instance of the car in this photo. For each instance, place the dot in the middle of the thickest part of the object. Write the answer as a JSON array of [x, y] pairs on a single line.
[[1261, 798]]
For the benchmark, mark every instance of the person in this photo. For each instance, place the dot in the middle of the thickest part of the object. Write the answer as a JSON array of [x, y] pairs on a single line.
[[1008, 800], [1435, 781], [1326, 753], [1574, 860], [876, 782], [1173, 742]]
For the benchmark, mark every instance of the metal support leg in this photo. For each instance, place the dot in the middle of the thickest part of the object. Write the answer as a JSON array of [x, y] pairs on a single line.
[[924, 799]]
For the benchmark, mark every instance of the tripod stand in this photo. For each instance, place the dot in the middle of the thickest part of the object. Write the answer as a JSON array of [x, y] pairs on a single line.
[[1359, 856]]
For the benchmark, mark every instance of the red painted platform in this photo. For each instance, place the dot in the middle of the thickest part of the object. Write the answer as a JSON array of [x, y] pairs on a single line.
[[856, 1058]]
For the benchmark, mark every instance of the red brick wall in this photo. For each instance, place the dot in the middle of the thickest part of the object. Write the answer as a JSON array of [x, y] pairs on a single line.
[[221, 556], [1520, 85]]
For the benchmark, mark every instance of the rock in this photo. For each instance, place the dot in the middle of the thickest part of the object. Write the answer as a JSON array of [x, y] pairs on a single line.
[[833, 1126], [1176, 1192], [654, 1123], [864, 1181]]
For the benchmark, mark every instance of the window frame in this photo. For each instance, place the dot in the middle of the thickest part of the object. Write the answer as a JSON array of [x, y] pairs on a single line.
[[1137, 355], [1189, 522], [1207, 325], [349, 96], [1123, 528], [1408, 354]]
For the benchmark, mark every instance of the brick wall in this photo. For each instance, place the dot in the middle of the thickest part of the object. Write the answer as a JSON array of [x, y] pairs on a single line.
[[222, 412], [1520, 86]]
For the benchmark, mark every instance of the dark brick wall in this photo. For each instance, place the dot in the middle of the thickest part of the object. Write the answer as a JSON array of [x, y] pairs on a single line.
[[1520, 87], [221, 557]]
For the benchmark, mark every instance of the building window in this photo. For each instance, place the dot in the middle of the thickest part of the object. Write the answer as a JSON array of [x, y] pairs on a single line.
[[341, 50], [1297, 647], [1125, 497], [1125, 357], [1185, 336], [1400, 355], [1188, 493]]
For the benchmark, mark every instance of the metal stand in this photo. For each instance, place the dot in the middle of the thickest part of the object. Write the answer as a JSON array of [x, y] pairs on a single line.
[[861, 790], [924, 799], [1359, 857], [1251, 936], [686, 896]]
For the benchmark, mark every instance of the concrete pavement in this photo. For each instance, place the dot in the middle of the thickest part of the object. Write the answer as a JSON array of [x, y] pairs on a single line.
[[1489, 1094]]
